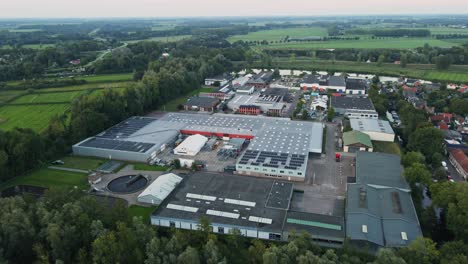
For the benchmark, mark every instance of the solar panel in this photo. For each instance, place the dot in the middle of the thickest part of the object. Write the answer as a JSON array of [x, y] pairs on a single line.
[[260, 220]]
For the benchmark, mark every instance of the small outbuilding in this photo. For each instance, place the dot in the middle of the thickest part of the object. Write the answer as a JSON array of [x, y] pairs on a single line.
[[159, 189], [191, 145], [205, 104], [354, 141]]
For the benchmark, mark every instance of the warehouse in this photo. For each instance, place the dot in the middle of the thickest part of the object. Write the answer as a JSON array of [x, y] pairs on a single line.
[[191, 145], [278, 147], [204, 104], [378, 130], [159, 189], [354, 141], [353, 106], [135, 139], [379, 208], [258, 208]]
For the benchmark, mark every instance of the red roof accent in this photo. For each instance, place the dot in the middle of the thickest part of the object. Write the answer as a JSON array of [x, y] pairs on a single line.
[[461, 158], [443, 126]]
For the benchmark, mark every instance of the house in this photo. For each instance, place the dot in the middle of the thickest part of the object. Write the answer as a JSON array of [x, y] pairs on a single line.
[[205, 104], [219, 80], [443, 126], [356, 86], [459, 160], [446, 117], [354, 141], [379, 209]]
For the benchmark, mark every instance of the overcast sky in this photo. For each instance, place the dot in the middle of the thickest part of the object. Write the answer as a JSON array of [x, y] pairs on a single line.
[[194, 8]]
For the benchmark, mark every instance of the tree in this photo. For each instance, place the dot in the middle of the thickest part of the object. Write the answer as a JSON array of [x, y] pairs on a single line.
[[331, 114], [417, 173], [443, 62], [403, 60], [440, 174], [387, 256], [212, 255], [189, 256], [427, 140], [420, 251], [411, 157], [380, 60], [106, 249]]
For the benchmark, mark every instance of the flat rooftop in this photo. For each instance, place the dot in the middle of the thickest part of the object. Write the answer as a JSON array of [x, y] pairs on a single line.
[[242, 199], [351, 102], [371, 125]]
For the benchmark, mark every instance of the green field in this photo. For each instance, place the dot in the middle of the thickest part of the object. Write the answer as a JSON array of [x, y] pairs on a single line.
[[147, 167], [106, 78], [141, 211], [444, 30], [171, 106], [36, 117], [47, 97], [391, 43], [49, 178], [81, 163], [162, 39], [280, 34], [5, 96], [90, 86]]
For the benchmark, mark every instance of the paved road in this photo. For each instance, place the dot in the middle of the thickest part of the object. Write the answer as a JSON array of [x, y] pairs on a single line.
[[68, 169]]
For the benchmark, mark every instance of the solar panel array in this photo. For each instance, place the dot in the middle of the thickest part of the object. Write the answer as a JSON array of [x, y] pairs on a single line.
[[126, 128], [273, 159], [115, 144]]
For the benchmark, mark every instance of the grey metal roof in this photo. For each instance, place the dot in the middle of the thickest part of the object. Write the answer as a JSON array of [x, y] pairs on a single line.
[[355, 84], [371, 125], [337, 81], [202, 101], [352, 102], [385, 211], [379, 169]]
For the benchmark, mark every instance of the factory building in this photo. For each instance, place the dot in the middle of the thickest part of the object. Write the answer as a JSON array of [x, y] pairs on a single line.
[[278, 147], [354, 107], [258, 208], [378, 130]]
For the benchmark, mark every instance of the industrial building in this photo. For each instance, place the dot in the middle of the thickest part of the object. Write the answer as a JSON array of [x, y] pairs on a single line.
[[159, 189], [191, 145], [204, 104], [354, 141], [278, 147], [258, 208], [379, 208], [354, 107], [378, 130], [323, 82]]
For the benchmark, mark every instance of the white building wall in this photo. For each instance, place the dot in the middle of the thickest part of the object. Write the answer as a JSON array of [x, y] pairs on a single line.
[[252, 233], [379, 136], [263, 235]]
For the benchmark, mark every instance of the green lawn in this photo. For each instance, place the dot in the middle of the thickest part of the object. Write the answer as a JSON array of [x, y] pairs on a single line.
[[107, 77], [81, 163], [141, 211], [147, 167], [36, 117], [47, 97], [390, 43], [280, 34], [171, 106], [387, 147], [162, 39], [49, 178], [89, 86], [5, 96]]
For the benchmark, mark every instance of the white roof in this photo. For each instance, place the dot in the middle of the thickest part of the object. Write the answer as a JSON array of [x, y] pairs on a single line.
[[191, 145], [374, 125], [162, 186]]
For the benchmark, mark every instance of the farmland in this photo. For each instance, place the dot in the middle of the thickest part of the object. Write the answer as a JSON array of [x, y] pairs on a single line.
[[280, 34], [391, 43], [47, 97], [35, 117], [162, 39]]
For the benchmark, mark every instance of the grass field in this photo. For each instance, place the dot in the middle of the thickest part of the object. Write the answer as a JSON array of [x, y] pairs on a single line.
[[280, 34], [162, 39], [392, 43], [5, 96], [171, 106], [47, 97], [92, 79], [36, 117], [81, 163], [387, 147], [141, 211], [91, 86], [147, 167], [49, 178]]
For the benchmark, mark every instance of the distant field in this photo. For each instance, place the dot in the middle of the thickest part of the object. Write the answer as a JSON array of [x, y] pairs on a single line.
[[49, 178], [29, 30], [8, 95], [445, 30], [162, 39], [391, 43], [36, 117], [87, 86], [280, 34], [47, 97], [107, 77]]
